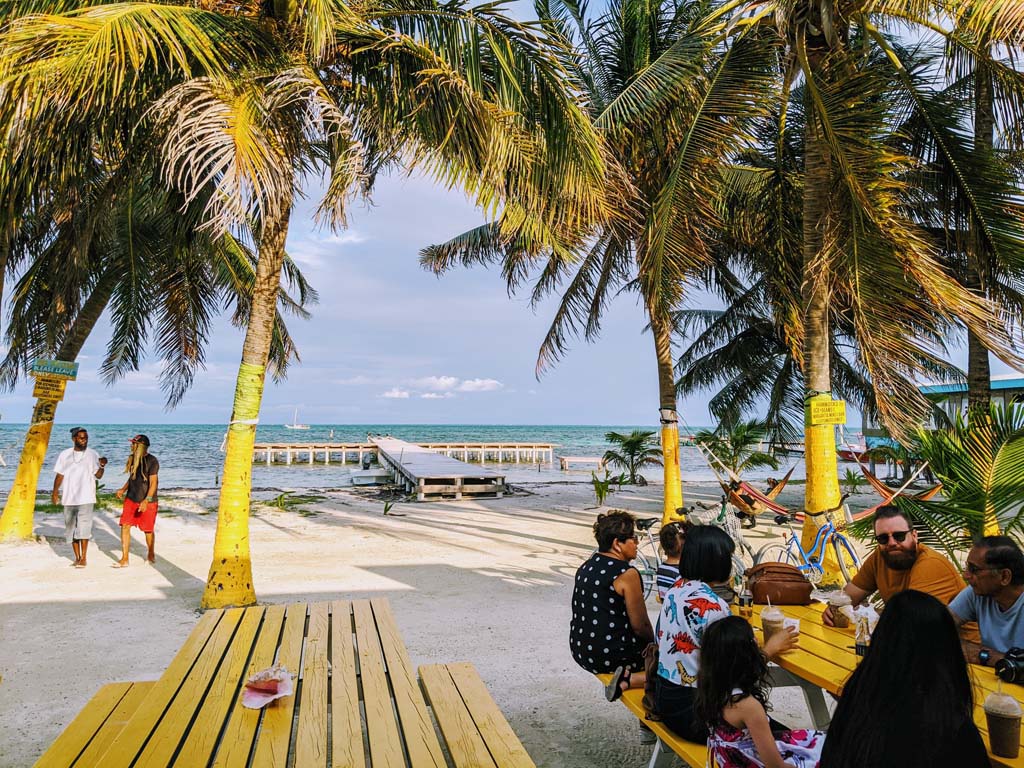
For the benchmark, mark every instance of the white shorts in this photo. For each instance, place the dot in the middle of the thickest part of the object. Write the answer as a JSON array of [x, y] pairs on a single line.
[[78, 522]]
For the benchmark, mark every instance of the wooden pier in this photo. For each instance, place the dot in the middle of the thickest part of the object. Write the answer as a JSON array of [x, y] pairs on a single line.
[[343, 453], [430, 474]]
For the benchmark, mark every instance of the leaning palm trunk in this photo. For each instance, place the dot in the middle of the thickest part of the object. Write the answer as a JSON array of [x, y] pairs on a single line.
[[978, 368], [822, 490], [230, 580], [661, 329], [19, 511]]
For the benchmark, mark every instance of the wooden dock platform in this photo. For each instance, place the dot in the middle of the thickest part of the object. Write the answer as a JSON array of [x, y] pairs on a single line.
[[289, 453], [430, 474]]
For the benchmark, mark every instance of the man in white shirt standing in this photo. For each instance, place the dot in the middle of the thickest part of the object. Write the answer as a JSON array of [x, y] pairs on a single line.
[[77, 470]]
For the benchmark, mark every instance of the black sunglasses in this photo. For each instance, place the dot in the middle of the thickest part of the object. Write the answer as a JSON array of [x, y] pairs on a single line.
[[898, 536]]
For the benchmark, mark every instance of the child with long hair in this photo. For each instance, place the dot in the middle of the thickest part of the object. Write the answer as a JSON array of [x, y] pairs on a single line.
[[671, 538], [732, 698], [910, 701]]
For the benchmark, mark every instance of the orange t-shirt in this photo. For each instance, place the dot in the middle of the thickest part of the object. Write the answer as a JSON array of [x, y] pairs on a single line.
[[931, 573]]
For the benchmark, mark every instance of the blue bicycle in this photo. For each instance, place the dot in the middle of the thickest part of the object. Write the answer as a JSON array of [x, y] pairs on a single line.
[[809, 562]]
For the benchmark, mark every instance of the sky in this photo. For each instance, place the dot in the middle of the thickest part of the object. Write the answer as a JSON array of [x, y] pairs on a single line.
[[390, 343]]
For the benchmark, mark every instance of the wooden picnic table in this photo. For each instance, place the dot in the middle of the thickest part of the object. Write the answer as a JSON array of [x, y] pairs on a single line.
[[826, 657], [356, 703]]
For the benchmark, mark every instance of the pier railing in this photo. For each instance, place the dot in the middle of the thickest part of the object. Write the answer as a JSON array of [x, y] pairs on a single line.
[[343, 453]]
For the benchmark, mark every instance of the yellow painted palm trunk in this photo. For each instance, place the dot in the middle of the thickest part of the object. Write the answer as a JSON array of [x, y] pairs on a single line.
[[673, 481], [822, 491], [19, 511], [230, 580]]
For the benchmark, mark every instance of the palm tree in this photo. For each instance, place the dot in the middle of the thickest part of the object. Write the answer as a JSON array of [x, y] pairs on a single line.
[[250, 97], [978, 462], [737, 445], [140, 253], [841, 93], [667, 179], [633, 452]]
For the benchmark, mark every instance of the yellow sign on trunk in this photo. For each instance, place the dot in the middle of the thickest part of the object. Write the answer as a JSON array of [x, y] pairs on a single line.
[[49, 388], [820, 412]]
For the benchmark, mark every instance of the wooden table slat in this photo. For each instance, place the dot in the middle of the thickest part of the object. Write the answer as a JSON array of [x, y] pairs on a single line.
[[346, 727], [80, 731], [504, 745], [237, 741], [118, 719], [169, 734], [126, 746], [382, 727], [311, 736], [420, 738], [223, 693], [276, 727], [464, 741]]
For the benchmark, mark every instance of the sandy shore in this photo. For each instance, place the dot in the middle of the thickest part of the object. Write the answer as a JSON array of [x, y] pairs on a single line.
[[487, 582]]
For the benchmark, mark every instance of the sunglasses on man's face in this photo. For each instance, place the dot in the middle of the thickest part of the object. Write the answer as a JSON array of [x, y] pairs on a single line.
[[898, 536]]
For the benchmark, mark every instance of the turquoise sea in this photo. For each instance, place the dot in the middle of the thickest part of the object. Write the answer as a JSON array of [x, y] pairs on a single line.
[[190, 454]]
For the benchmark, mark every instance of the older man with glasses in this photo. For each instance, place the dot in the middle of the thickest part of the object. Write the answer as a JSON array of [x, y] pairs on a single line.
[[901, 562], [995, 572]]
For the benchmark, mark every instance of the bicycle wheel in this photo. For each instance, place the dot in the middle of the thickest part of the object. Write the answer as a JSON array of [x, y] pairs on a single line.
[[775, 553], [648, 572], [848, 561]]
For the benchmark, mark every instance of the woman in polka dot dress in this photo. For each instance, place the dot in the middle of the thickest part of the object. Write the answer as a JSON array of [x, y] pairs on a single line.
[[610, 627]]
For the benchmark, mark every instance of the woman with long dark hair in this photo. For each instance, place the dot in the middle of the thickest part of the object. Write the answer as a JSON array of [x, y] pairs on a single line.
[[732, 698], [910, 701]]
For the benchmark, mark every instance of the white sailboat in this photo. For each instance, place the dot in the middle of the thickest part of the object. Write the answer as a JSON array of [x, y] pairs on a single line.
[[295, 422]]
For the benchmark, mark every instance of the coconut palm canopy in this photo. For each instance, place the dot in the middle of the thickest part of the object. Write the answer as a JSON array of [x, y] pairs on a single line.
[[255, 98]]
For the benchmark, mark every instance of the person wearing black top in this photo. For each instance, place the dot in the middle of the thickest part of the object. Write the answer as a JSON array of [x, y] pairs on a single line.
[[910, 702], [140, 499], [610, 627]]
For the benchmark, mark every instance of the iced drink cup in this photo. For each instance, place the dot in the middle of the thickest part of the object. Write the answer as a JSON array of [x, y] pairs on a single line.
[[1003, 714], [772, 621], [836, 602]]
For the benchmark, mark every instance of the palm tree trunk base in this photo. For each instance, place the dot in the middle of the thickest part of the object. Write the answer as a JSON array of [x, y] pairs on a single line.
[[17, 521], [673, 482], [229, 584], [822, 492]]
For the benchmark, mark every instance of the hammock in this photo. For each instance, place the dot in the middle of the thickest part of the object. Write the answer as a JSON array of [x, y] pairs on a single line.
[[886, 493], [741, 494]]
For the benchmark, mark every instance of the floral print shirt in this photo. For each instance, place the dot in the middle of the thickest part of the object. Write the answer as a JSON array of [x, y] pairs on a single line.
[[690, 607]]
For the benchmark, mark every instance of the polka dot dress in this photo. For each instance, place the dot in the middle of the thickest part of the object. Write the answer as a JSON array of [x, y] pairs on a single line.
[[600, 636]]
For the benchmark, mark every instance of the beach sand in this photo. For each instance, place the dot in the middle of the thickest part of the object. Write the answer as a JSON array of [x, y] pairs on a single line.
[[482, 581]]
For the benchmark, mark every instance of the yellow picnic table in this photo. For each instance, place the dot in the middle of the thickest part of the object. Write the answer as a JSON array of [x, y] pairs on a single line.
[[826, 657], [357, 701]]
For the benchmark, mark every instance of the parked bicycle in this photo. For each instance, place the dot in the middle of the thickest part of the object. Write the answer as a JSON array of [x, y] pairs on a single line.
[[810, 561]]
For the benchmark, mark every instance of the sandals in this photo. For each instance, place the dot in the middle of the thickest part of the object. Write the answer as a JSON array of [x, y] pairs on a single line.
[[613, 690]]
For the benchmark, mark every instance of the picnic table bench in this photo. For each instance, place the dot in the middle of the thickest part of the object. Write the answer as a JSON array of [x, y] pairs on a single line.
[[356, 700], [565, 461], [693, 754]]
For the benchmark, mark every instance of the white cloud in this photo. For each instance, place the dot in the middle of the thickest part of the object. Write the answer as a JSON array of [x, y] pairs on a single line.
[[436, 383], [354, 381], [480, 385], [436, 395], [396, 394]]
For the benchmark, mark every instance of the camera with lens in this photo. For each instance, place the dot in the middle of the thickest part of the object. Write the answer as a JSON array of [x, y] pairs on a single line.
[[1011, 667]]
